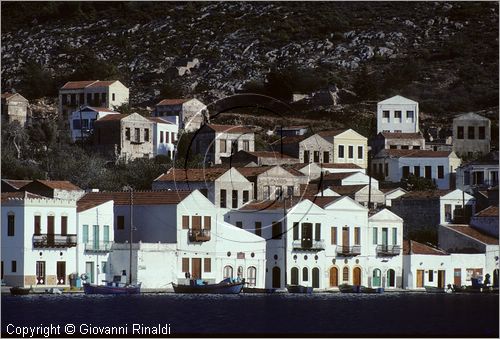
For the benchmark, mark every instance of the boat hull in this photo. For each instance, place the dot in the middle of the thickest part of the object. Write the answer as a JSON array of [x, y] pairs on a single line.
[[258, 290], [299, 289], [19, 290], [349, 288], [220, 288], [432, 289], [103, 289]]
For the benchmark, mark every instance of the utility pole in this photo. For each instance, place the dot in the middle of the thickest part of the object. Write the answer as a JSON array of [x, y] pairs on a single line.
[[130, 234]]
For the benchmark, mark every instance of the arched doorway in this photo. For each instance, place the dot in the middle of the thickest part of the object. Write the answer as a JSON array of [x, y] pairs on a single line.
[[294, 276], [315, 277], [228, 272], [276, 277], [391, 278], [356, 276], [495, 277], [376, 278], [305, 274], [334, 277]]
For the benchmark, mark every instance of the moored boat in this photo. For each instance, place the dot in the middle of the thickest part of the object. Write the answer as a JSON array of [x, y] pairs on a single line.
[[346, 288], [365, 289], [299, 289], [226, 286], [433, 289], [110, 289], [17, 290]]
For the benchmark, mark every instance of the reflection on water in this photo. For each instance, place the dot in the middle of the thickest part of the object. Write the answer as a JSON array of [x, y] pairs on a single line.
[[334, 314]]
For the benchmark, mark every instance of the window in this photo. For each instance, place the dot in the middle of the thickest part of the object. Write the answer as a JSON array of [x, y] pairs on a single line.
[[351, 152], [406, 171], [316, 156], [196, 222], [386, 169], [409, 116], [306, 157], [38, 227], [223, 198], [482, 133], [166, 137], [251, 276], [428, 172], [258, 228], [326, 157], [103, 98], [76, 124], [385, 116], [295, 276], [228, 272], [416, 171], [360, 152], [172, 137], [222, 146], [305, 274], [394, 236], [127, 133], [277, 230], [234, 200], [317, 232], [207, 265], [185, 265], [341, 151], [470, 132], [417, 147], [333, 235], [10, 225], [405, 147], [289, 191], [104, 267], [106, 234], [185, 222], [89, 98], [207, 222], [85, 234], [478, 178], [239, 224], [64, 225], [278, 193], [246, 145], [440, 172], [460, 132], [137, 135], [295, 231], [14, 266], [345, 274], [266, 193], [245, 196], [357, 236], [375, 236], [73, 99], [161, 137], [113, 96], [393, 147], [397, 116], [431, 275], [146, 134]]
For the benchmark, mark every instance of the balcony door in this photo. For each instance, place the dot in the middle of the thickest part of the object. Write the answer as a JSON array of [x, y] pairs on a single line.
[[315, 277], [441, 278], [345, 239], [40, 272], [96, 237], [50, 230], [89, 271], [306, 235], [196, 268], [385, 238], [276, 277], [457, 276], [61, 272], [376, 279]]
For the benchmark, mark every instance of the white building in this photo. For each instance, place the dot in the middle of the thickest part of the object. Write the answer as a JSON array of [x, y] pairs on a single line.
[[397, 115], [479, 174], [164, 137], [471, 135], [188, 114], [81, 122], [39, 239], [393, 165], [392, 194]]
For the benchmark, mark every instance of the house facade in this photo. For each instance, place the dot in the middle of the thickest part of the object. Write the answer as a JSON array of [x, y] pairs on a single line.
[[107, 94], [165, 135], [188, 114], [471, 135], [260, 158], [391, 140], [56, 189], [397, 115], [81, 122], [14, 108], [393, 165], [479, 174], [126, 136]]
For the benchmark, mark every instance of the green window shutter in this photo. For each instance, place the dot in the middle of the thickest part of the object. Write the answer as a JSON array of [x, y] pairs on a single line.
[[85, 234]]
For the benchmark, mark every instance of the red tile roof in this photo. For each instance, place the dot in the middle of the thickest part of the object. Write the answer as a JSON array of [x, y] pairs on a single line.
[[424, 194], [269, 154], [160, 120], [141, 197], [91, 200], [7, 95], [226, 128], [474, 233], [491, 211], [102, 109], [271, 204], [16, 183], [19, 196], [78, 84], [336, 176], [328, 165], [322, 201], [113, 117], [413, 247], [192, 174], [393, 135], [60, 185], [169, 102], [347, 189], [253, 171], [412, 153], [331, 133], [103, 83]]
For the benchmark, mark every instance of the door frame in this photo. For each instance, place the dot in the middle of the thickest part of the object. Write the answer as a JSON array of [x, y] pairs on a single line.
[[357, 273], [336, 270]]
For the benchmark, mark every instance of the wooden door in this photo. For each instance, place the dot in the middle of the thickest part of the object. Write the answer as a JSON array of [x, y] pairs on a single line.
[[276, 277], [376, 279], [50, 230], [306, 235], [315, 277], [356, 276], [441, 278], [334, 277], [61, 272], [345, 239], [196, 268], [385, 238], [457, 277], [197, 223], [420, 278]]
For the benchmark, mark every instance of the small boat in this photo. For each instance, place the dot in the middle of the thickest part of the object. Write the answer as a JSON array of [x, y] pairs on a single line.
[[365, 289], [17, 290], [258, 290], [346, 288], [433, 289], [110, 289], [226, 286], [299, 289]]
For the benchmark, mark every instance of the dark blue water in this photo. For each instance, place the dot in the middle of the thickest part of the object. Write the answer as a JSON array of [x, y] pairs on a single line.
[[390, 314]]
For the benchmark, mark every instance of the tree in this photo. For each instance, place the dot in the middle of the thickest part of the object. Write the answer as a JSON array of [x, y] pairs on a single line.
[[36, 81], [414, 183]]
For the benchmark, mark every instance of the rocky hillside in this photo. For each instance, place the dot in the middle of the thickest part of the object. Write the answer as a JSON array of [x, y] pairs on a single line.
[[443, 54]]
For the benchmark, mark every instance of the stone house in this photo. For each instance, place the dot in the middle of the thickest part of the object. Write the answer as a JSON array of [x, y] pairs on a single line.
[[214, 142], [397, 115], [81, 121], [165, 134], [260, 158], [471, 135], [54, 189], [391, 140], [126, 136], [289, 145], [346, 179], [188, 114], [14, 108], [107, 94]]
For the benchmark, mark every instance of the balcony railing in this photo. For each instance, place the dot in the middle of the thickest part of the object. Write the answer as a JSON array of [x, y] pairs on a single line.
[[348, 251], [308, 245], [198, 235], [98, 247], [388, 250], [54, 240]]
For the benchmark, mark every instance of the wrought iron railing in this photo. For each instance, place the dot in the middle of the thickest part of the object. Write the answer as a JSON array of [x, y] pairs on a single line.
[[311, 245], [100, 247], [198, 235], [388, 250], [349, 251], [54, 240]]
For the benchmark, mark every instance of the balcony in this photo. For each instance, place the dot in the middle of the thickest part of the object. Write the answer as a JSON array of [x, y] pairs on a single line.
[[198, 235], [98, 247], [54, 240], [388, 250], [348, 251], [308, 245]]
